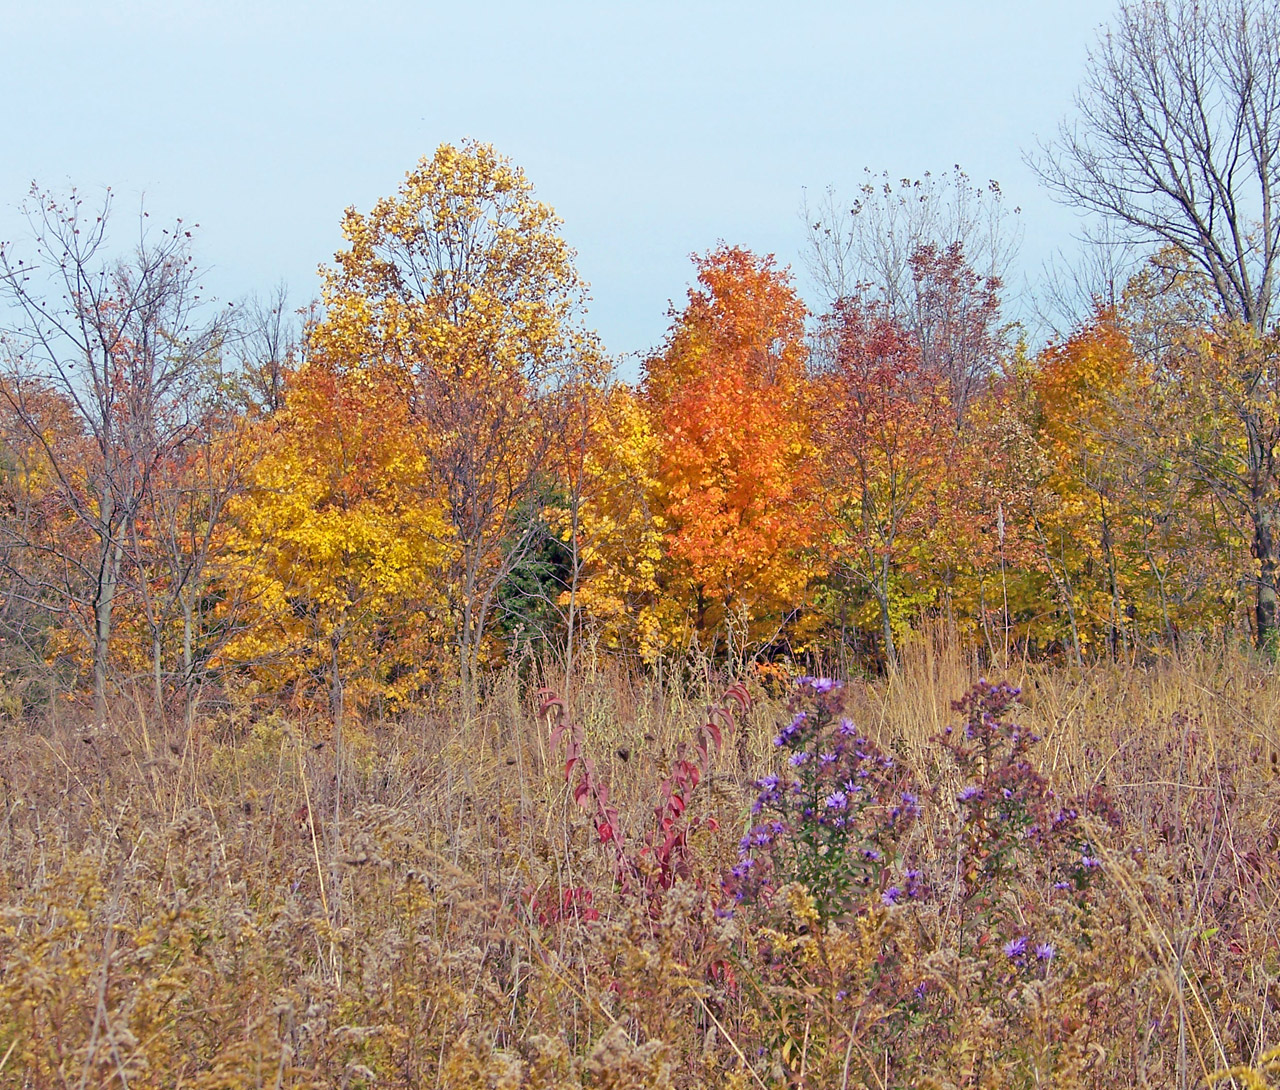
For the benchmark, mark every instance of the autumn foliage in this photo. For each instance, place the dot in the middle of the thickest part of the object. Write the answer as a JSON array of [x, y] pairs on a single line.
[[728, 400], [445, 475]]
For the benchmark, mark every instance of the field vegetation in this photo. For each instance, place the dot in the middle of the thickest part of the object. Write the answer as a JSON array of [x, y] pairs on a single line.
[[1088, 898]]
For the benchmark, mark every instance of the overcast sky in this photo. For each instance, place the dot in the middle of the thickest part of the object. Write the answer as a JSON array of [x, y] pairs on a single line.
[[655, 129]]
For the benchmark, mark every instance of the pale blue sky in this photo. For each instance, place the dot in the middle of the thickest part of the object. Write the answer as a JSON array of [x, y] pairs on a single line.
[[654, 129]]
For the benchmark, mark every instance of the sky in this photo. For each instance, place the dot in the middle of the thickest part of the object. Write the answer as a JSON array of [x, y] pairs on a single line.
[[656, 129]]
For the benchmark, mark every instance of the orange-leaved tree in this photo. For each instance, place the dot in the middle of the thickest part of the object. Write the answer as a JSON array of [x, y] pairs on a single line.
[[728, 399]]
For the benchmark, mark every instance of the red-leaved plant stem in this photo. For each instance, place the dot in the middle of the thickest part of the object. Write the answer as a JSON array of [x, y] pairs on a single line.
[[667, 842]]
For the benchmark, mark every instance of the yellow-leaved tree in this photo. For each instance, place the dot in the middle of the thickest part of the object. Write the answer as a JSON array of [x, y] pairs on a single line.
[[620, 528], [459, 293], [338, 543]]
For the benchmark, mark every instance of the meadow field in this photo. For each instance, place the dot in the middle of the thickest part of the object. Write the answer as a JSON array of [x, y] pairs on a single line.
[[413, 679], [1085, 898]]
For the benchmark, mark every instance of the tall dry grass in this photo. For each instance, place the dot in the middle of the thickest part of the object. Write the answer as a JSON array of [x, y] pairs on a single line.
[[228, 908]]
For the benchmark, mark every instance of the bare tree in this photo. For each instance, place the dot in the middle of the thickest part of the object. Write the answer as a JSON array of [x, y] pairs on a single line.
[[932, 254], [173, 542], [268, 344], [1177, 142], [871, 240], [123, 344], [1071, 291]]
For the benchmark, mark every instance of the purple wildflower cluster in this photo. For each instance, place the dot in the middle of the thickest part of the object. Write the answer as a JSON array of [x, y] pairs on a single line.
[[1012, 827], [1021, 952], [833, 820], [1007, 809]]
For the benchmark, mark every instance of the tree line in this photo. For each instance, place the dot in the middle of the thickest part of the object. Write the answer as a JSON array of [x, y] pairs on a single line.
[[436, 467]]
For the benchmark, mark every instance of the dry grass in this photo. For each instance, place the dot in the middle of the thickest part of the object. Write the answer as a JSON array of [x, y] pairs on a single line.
[[212, 911]]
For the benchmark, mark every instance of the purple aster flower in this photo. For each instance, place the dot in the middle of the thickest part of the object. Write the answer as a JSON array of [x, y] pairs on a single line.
[[891, 896], [871, 855], [847, 729], [790, 731], [1044, 951], [1015, 949], [970, 791], [768, 783], [1065, 817], [1088, 862], [1061, 885], [837, 800], [908, 809], [799, 758], [827, 759]]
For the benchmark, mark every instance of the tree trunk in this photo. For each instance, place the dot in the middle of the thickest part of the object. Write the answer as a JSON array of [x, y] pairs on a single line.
[[1264, 549], [886, 625], [575, 562], [157, 674], [104, 601], [467, 637], [336, 694], [336, 710]]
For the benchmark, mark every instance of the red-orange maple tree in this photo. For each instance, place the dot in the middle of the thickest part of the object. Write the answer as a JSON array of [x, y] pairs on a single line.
[[728, 399]]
